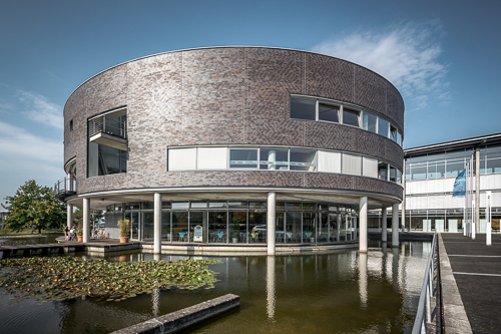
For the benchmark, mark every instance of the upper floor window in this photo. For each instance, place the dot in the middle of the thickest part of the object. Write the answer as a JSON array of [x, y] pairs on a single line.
[[328, 112], [350, 117], [302, 160], [325, 110], [393, 133], [243, 158], [303, 108], [383, 127], [278, 159], [370, 122], [107, 143], [274, 158]]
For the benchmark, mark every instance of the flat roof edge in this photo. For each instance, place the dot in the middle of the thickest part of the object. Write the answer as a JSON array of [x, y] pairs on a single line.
[[454, 144]]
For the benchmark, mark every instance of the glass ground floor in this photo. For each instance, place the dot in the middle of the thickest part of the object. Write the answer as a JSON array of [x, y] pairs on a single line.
[[239, 222], [435, 220]]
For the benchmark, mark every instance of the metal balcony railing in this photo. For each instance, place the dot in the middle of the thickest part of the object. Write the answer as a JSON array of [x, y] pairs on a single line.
[[113, 126], [65, 188]]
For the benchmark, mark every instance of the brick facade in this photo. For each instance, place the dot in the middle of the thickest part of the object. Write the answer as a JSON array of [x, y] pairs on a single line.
[[227, 96]]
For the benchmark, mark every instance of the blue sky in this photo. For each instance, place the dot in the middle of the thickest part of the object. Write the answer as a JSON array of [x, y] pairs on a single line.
[[444, 57]]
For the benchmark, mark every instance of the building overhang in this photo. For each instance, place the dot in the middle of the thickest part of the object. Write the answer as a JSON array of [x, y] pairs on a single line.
[[100, 200]]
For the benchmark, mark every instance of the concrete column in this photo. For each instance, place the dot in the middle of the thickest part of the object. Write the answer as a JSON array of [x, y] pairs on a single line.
[[477, 190], [157, 223], [394, 226], [272, 160], [69, 215], [363, 225], [270, 223], [86, 218], [384, 230]]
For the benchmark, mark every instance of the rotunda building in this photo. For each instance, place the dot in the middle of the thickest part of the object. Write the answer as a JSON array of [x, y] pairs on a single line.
[[243, 148]]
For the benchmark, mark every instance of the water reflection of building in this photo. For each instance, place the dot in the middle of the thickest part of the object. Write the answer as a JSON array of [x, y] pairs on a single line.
[[260, 148]]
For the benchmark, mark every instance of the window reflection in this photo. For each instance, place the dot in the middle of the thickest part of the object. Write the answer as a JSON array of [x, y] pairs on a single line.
[[350, 117], [243, 158], [328, 112], [303, 108]]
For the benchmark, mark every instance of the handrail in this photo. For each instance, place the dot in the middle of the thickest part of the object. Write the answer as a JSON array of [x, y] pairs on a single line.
[[65, 187], [424, 311], [110, 125]]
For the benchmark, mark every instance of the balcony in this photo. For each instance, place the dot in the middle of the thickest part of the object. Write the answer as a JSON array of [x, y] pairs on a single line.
[[65, 188], [109, 130]]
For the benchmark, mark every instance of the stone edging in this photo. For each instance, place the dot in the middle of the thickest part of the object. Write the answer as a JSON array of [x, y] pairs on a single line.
[[179, 320], [455, 319]]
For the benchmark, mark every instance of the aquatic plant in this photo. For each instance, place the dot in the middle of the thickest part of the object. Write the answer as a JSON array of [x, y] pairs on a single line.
[[61, 278]]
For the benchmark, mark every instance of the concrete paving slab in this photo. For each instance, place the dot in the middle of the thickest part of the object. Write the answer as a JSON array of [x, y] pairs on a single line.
[[471, 262]]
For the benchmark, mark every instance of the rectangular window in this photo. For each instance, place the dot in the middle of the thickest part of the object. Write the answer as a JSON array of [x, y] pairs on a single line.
[[328, 112], [182, 159], [212, 158], [393, 174], [393, 133], [329, 162], [382, 171], [370, 122], [303, 108], [399, 176], [419, 170], [370, 167], [71, 125], [303, 160], [243, 158], [492, 157], [350, 117], [274, 158], [351, 164], [400, 139], [383, 127], [107, 143]]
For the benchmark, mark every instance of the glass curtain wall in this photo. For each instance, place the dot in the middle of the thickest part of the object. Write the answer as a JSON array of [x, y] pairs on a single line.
[[243, 222]]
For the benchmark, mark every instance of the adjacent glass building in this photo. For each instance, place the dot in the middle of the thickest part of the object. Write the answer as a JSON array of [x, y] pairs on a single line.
[[248, 148], [430, 173]]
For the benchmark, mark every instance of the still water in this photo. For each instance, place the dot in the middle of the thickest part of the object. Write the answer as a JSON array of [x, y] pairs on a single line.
[[341, 292]]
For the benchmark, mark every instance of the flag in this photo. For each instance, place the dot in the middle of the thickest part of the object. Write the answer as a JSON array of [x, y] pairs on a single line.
[[460, 184]]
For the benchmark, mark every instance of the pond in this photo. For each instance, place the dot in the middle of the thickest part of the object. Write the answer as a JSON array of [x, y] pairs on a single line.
[[340, 292]]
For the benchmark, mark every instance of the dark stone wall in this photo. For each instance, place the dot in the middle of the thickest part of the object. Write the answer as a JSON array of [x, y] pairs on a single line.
[[230, 95]]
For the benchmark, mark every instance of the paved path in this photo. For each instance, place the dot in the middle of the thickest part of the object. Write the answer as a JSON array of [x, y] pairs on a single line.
[[477, 270]]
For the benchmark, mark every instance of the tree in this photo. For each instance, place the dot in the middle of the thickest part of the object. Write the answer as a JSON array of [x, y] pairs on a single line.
[[34, 207]]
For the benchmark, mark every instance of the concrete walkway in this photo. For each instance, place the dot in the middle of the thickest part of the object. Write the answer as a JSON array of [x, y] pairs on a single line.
[[477, 271]]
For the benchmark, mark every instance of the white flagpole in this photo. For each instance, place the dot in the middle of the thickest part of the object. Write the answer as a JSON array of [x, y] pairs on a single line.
[[465, 196]]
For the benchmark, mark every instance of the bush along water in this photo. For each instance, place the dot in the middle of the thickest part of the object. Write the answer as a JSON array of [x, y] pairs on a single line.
[[61, 278]]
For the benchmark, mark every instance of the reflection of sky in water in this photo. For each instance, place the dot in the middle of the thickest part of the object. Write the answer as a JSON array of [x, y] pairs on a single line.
[[317, 293]]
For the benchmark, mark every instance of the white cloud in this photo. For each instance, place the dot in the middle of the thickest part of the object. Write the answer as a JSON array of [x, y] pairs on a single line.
[[42, 110], [5, 106], [26, 156], [408, 55]]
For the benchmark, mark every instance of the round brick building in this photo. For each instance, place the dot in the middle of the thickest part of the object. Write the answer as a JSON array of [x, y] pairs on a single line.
[[254, 148]]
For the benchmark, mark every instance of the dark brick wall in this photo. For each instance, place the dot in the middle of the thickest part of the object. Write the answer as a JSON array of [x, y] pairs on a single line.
[[230, 95]]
